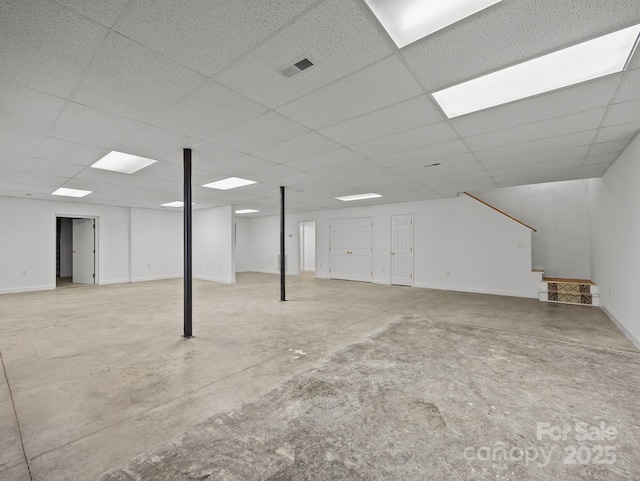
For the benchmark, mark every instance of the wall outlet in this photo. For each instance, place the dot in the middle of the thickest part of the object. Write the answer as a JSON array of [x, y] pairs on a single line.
[[24, 273], [448, 273], [148, 266], [522, 245]]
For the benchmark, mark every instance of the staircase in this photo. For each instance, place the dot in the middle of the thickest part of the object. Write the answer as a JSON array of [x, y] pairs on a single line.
[[569, 291]]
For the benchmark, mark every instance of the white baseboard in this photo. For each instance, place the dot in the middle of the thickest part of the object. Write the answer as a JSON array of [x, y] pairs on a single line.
[[114, 281], [624, 330], [264, 271], [15, 290], [478, 291], [214, 279], [154, 278]]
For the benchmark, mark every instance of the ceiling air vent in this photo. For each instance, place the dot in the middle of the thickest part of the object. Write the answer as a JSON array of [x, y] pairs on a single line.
[[297, 67]]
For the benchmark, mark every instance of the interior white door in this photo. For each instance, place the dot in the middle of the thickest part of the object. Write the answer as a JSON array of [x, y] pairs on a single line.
[[402, 250], [351, 249], [83, 251]]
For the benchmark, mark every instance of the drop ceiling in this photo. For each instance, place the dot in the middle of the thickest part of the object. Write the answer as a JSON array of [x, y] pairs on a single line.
[[151, 77]]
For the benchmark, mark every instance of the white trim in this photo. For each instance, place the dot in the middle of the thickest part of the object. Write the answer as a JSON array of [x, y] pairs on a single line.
[[624, 330], [155, 278], [215, 279], [478, 291], [15, 290], [113, 281]]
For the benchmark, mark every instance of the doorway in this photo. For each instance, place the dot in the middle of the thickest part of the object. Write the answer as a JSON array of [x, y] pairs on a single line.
[[351, 249], [75, 251], [307, 247], [402, 250]]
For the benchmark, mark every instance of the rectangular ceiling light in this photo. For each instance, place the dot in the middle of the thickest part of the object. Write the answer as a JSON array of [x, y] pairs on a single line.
[[247, 211], [586, 61], [71, 192], [348, 198], [409, 20], [230, 183], [123, 163], [177, 203]]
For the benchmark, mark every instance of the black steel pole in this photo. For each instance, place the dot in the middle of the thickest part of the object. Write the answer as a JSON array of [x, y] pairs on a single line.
[[282, 253], [188, 300]]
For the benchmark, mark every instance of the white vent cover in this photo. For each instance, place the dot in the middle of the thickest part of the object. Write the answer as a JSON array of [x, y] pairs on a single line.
[[297, 67]]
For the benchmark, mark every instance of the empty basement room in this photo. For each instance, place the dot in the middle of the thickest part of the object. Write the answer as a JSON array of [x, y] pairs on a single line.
[[319, 240]]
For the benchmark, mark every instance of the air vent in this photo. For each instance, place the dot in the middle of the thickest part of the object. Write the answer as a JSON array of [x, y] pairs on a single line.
[[433, 165], [297, 67]]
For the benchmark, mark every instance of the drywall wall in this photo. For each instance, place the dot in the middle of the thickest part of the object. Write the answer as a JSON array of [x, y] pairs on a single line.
[[66, 248], [156, 244], [242, 244], [615, 233], [28, 253], [459, 244], [213, 252], [559, 211]]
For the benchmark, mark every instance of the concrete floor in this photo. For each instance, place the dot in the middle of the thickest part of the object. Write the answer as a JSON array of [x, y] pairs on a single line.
[[344, 381]]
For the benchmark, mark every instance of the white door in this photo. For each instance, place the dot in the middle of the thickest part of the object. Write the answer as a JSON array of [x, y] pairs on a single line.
[[83, 251], [402, 250], [351, 249]]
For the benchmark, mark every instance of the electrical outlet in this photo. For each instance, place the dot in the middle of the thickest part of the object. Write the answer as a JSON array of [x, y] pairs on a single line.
[[148, 266], [448, 273], [24, 273]]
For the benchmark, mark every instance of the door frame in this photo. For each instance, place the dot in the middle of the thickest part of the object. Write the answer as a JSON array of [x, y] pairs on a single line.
[[96, 242], [371, 217], [413, 252]]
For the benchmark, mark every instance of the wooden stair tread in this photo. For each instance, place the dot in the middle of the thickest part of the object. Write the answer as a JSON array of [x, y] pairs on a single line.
[[563, 280]]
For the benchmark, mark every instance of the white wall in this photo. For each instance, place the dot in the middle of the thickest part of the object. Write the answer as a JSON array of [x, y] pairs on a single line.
[[28, 243], [213, 252], [309, 246], [615, 234], [242, 244], [156, 244], [559, 211], [459, 244], [66, 248]]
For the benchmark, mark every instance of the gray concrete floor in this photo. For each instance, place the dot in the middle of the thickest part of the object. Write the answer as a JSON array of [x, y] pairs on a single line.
[[344, 381]]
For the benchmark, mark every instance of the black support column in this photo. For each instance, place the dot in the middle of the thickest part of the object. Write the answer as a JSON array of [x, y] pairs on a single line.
[[282, 252], [188, 263]]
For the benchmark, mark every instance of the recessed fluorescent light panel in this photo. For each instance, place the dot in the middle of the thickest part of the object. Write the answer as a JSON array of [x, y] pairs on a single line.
[[123, 163], [586, 61], [230, 183], [177, 203], [247, 211], [409, 20], [71, 192], [348, 198]]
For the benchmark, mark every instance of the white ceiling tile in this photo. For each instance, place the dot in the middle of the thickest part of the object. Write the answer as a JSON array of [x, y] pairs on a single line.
[[130, 181], [43, 180], [382, 84], [548, 175], [629, 88], [635, 60], [438, 133], [206, 36], [13, 163], [537, 167], [19, 142], [28, 109], [337, 36], [609, 147], [579, 98], [409, 114], [537, 146], [164, 171], [591, 171], [51, 167], [44, 46], [623, 113], [466, 169], [601, 158], [274, 174], [87, 125], [102, 12], [130, 80], [208, 111], [522, 30], [571, 153], [155, 143], [538, 130], [268, 129], [206, 155], [457, 162], [298, 148], [69, 152], [425, 155], [618, 132], [238, 167], [327, 162]]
